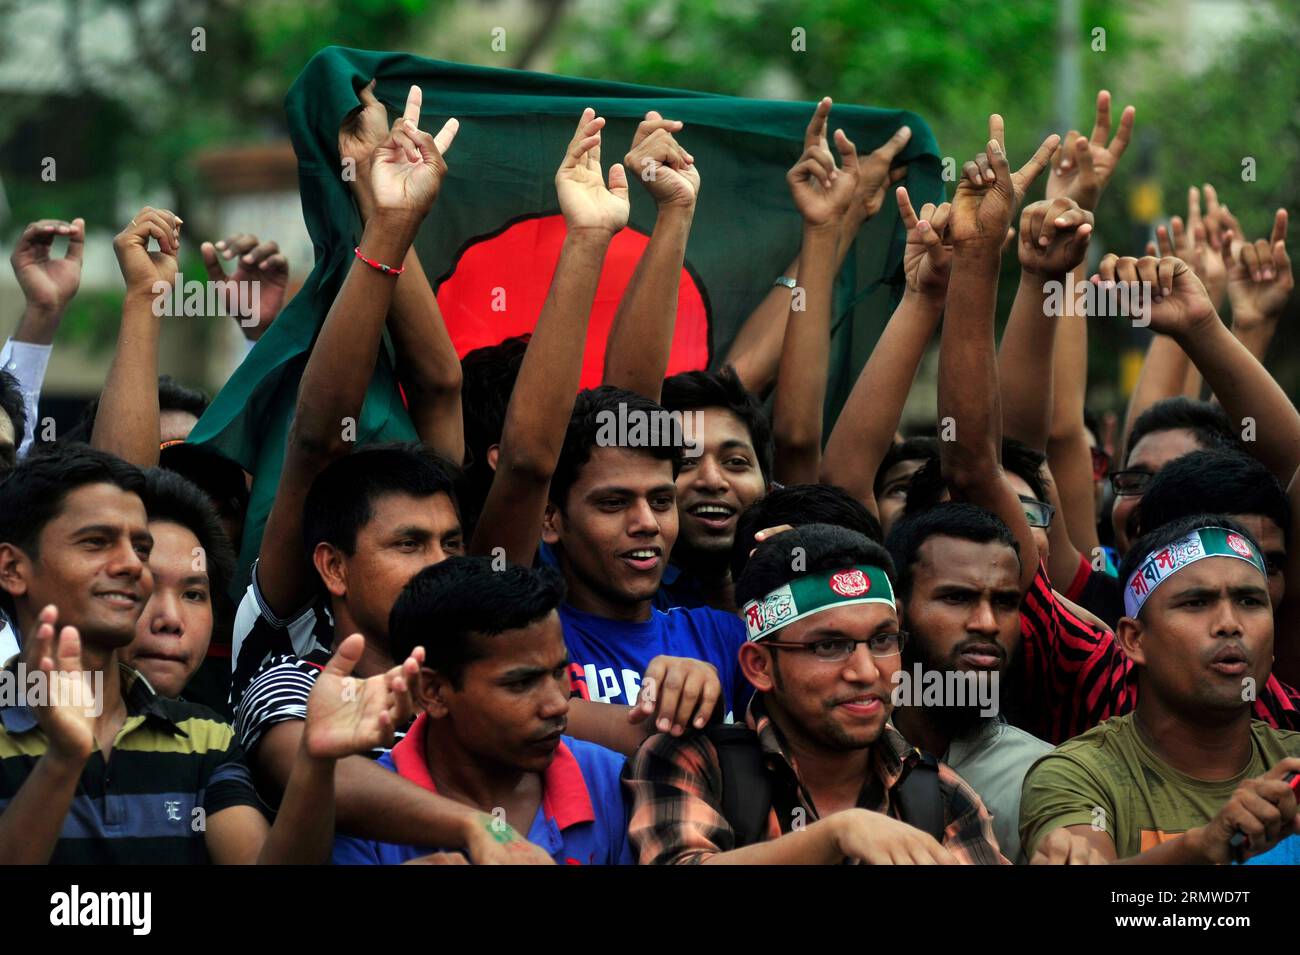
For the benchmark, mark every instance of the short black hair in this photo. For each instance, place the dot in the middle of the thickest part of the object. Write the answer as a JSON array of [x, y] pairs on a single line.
[[928, 484], [33, 493], [1175, 530], [692, 390], [823, 547], [341, 499], [172, 396], [798, 505], [488, 377], [1220, 481], [170, 497], [957, 519], [216, 475], [590, 411], [12, 404], [1208, 422], [922, 448], [446, 605]]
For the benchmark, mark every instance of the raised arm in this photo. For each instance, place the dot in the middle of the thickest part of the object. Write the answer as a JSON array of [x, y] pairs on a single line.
[[48, 285], [542, 401], [1238, 380], [866, 426], [407, 173], [822, 194], [1081, 169], [636, 354], [127, 422], [1259, 285], [982, 208], [261, 277], [426, 361]]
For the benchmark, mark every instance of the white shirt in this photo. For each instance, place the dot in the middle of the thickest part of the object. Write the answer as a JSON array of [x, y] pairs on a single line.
[[27, 363]]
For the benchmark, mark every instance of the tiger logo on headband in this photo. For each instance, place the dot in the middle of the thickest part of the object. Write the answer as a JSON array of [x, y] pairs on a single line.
[[1240, 546], [850, 583]]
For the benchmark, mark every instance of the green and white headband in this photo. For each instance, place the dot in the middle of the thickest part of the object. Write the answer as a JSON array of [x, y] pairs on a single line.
[[805, 596], [1162, 564]]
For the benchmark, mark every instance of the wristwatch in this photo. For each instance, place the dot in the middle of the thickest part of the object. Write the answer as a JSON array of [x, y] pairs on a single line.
[[786, 281]]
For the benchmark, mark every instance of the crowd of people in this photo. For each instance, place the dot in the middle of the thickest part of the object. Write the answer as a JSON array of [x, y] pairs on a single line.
[[519, 640]]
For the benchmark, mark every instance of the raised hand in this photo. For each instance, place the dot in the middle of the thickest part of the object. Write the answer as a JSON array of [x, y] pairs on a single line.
[[667, 171], [927, 259], [875, 173], [141, 268], [49, 284], [1081, 168], [260, 262], [822, 193], [360, 134], [1259, 275], [1053, 236], [588, 205], [1179, 303], [347, 715], [68, 716], [407, 168], [1192, 244], [989, 192]]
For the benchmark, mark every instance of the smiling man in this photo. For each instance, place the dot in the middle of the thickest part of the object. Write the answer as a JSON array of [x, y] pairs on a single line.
[[728, 470], [826, 777], [611, 522], [493, 698], [1173, 781]]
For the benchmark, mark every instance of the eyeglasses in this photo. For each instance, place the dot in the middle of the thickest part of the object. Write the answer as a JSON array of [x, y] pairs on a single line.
[[839, 649], [1131, 482], [1100, 463], [1038, 513]]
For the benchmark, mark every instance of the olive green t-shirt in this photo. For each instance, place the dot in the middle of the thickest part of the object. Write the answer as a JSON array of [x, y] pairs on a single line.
[[1108, 777]]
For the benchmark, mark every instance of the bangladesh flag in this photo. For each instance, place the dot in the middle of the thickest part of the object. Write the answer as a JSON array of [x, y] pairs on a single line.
[[493, 237]]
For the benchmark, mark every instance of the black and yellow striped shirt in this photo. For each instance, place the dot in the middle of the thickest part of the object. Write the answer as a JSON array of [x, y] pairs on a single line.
[[173, 764]]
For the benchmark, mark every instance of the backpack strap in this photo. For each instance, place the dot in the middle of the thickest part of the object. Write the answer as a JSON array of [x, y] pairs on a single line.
[[746, 789], [919, 798]]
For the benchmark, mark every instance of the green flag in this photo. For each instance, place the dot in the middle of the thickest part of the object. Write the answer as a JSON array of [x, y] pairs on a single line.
[[492, 239]]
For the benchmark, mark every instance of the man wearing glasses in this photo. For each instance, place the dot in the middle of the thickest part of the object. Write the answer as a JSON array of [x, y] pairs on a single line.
[[824, 643]]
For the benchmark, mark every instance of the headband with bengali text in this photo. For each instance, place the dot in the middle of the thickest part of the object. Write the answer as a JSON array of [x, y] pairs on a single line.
[[814, 593], [1164, 562]]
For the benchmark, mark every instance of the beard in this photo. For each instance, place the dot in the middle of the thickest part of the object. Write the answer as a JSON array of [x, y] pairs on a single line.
[[956, 722]]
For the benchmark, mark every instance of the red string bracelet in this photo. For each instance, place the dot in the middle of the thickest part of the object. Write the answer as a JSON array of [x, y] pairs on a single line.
[[386, 269]]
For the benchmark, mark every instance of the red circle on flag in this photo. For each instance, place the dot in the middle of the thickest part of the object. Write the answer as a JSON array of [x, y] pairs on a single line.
[[850, 583], [500, 282], [1239, 545]]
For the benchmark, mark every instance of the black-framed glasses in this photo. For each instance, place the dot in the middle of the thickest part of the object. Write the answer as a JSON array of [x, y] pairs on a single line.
[[839, 649], [1100, 462], [1038, 513], [1131, 482]]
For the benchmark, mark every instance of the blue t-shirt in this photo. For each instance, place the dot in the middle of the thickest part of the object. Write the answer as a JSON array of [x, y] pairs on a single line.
[[609, 657], [582, 819], [1286, 852]]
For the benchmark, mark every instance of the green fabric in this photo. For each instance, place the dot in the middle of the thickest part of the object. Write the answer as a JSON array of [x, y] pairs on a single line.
[[1109, 776], [515, 126], [805, 596]]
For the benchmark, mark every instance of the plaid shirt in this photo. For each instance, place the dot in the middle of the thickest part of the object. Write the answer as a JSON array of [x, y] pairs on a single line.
[[676, 788]]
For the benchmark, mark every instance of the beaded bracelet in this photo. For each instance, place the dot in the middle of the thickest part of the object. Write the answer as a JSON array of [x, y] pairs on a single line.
[[386, 269]]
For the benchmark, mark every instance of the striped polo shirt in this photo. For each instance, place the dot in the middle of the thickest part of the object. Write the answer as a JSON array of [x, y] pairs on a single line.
[[173, 765]]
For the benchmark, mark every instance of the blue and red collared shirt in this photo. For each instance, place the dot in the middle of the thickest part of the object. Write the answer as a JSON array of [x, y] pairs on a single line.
[[582, 819]]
